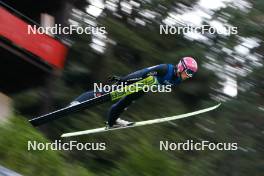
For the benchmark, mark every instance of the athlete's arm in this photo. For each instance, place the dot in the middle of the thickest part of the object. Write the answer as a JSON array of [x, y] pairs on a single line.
[[158, 70]]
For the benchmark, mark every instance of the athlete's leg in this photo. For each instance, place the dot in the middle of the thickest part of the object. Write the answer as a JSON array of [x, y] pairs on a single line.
[[118, 108]]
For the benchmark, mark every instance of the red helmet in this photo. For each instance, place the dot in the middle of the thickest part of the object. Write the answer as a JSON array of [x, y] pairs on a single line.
[[189, 65]]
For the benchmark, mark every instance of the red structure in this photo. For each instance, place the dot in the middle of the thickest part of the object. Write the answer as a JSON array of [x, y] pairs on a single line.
[[26, 59]]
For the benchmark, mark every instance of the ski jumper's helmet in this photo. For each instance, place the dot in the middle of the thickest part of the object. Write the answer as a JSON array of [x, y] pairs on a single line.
[[188, 65]]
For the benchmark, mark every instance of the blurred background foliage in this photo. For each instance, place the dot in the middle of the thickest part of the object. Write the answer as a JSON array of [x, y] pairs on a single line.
[[230, 71]]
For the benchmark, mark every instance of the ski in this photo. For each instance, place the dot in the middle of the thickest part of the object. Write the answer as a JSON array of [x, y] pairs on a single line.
[[112, 96], [142, 123]]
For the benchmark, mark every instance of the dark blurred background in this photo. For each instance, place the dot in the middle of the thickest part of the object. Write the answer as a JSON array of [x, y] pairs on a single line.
[[39, 75]]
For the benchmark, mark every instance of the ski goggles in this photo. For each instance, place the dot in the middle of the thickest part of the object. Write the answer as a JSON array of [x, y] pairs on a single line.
[[188, 72]]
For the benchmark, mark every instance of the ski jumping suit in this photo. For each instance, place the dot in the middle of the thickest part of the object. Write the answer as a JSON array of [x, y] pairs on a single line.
[[165, 74]]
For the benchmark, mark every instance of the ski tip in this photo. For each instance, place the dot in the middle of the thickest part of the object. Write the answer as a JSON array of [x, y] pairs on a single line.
[[65, 135], [216, 106]]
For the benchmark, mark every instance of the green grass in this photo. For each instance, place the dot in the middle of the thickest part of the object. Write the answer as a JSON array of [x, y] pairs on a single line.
[[14, 153]]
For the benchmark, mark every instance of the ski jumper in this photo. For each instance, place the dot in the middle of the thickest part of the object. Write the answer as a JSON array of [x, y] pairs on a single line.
[[165, 74]]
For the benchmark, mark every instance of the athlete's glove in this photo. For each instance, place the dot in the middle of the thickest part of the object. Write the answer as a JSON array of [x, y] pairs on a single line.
[[153, 73], [114, 78]]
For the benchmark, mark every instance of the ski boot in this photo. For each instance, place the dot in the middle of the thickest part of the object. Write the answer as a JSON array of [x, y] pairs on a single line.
[[119, 123]]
